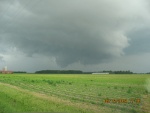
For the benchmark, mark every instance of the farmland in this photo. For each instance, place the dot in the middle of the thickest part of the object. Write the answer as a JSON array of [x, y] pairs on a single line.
[[74, 93]]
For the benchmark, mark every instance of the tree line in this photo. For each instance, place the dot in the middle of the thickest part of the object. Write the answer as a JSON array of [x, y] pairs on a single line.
[[79, 72], [118, 72], [59, 72], [19, 72]]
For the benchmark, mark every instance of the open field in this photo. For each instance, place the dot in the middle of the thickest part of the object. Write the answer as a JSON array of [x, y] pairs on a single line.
[[76, 93]]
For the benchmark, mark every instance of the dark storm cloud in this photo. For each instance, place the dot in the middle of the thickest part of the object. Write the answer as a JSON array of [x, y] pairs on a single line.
[[85, 31], [140, 41]]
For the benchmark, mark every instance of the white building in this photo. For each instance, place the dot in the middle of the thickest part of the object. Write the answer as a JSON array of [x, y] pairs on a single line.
[[100, 73]]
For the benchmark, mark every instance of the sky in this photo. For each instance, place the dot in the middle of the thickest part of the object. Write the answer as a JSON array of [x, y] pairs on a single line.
[[87, 35]]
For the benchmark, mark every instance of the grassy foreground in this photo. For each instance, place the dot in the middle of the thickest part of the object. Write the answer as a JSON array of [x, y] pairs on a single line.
[[75, 93]]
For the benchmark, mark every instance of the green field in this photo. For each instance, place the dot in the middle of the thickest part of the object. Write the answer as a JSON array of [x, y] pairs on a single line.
[[74, 93]]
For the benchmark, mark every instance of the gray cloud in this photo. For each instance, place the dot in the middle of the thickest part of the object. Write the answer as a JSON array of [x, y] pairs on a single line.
[[84, 31], [140, 41], [1, 59]]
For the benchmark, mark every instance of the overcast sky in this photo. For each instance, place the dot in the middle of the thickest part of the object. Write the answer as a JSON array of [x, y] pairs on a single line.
[[87, 35]]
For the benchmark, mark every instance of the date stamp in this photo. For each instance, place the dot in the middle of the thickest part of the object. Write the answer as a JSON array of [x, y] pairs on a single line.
[[131, 100]]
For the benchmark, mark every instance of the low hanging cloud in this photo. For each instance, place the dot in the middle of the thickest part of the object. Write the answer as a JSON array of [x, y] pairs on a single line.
[[85, 31], [1, 59]]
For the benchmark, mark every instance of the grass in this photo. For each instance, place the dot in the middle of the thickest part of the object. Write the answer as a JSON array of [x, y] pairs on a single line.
[[16, 100], [84, 93]]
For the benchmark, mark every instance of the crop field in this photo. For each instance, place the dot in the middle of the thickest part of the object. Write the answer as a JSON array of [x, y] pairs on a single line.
[[74, 93]]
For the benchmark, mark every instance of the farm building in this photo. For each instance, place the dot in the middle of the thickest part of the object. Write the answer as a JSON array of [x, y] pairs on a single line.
[[5, 71]]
